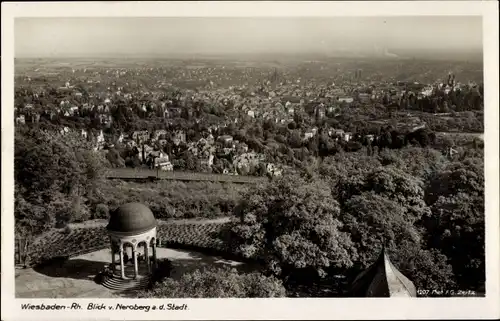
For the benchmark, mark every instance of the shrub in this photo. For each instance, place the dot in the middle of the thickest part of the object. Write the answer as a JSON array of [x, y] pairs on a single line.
[[162, 271], [218, 283], [101, 211], [67, 230]]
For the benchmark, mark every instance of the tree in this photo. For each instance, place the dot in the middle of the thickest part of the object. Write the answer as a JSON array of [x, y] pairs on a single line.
[[373, 220], [295, 139], [54, 175], [292, 225], [218, 283], [457, 225], [52, 170], [391, 183]]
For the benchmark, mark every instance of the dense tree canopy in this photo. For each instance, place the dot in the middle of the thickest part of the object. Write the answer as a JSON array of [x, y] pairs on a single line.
[[457, 225], [426, 210], [54, 175], [292, 224]]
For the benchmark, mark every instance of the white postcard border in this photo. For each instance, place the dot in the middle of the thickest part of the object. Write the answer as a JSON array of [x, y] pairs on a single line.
[[254, 309]]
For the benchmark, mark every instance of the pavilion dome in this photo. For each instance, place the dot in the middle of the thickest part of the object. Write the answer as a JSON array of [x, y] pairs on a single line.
[[131, 219]]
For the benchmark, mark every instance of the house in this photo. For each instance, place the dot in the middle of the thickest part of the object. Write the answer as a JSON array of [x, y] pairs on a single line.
[[273, 170], [163, 163], [140, 136], [34, 117], [320, 111], [417, 127], [208, 162], [251, 113], [210, 139], [370, 138], [179, 137], [64, 130], [21, 120], [146, 151], [364, 98], [100, 138], [336, 132], [347, 100], [308, 135], [73, 110], [105, 119], [340, 134], [331, 109], [159, 134], [225, 139]]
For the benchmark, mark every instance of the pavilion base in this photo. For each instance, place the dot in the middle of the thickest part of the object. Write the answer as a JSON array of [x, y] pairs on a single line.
[[116, 283]]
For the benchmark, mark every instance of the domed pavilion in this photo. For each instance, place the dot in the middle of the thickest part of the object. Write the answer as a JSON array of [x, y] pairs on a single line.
[[132, 232]]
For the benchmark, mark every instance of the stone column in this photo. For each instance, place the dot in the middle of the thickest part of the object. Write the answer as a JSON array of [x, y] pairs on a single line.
[[113, 258], [154, 253], [146, 256], [136, 270], [122, 266]]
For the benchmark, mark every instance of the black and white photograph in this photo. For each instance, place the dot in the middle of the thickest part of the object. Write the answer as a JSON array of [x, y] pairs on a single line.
[[183, 157]]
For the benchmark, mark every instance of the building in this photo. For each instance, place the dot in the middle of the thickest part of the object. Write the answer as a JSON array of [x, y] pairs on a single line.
[[179, 137], [140, 136], [308, 135], [364, 98], [21, 120], [225, 139], [382, 279], [347, 100], [84, 134], [159, 134], [273, 170], [132, 228]]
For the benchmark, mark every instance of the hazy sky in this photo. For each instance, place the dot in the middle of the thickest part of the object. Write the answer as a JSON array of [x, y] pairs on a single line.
[[60, 37]]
